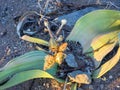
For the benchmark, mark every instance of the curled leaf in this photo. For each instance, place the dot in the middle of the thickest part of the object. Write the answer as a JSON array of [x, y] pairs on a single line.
[[27, 18]]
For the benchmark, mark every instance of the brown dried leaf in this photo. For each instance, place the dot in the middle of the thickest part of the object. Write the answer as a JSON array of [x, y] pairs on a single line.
[[79, 77]]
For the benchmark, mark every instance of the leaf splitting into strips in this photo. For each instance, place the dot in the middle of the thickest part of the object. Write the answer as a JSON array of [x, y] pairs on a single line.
[[102, 45], [107, 66]]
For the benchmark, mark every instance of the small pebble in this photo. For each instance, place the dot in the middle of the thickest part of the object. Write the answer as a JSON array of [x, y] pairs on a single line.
[[118, 86], [91, 87], [47, 85], [3, 33], [102, 86], [110, 77], [15, 47], [30, 45], [43, 84], [70, 60]]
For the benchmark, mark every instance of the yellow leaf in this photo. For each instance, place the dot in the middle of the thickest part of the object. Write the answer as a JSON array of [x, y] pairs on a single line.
[[102, 45], [107, 66], [117, 23], [34, 40]]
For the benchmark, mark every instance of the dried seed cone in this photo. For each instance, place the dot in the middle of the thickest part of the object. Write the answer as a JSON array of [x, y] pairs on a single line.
[[53, 45], [60, 57], [62, 47], [49, 62]]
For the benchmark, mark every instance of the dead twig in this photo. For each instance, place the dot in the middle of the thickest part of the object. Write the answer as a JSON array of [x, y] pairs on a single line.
[[63, 22], [110, 4], [66, 80], [41, 10], [46, 5]]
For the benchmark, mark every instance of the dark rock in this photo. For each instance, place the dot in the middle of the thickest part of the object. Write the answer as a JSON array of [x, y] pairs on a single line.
[[70, 60], [73, 17]]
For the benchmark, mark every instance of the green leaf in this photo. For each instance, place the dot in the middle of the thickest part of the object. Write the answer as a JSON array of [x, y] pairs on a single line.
[[24, 68], [107, 66], [34, 40], [74, 86], [93, 24], [24, 76], [28, 61], [119, 39]]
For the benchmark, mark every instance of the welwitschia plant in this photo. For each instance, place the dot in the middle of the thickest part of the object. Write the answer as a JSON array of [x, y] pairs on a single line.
[[97, 32]]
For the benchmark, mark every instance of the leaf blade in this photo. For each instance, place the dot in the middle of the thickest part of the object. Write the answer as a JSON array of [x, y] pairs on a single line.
[[74, 86], [27, 61], [102, 45], [34, 40], [24, 76], [107, 66], [87, 29]]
